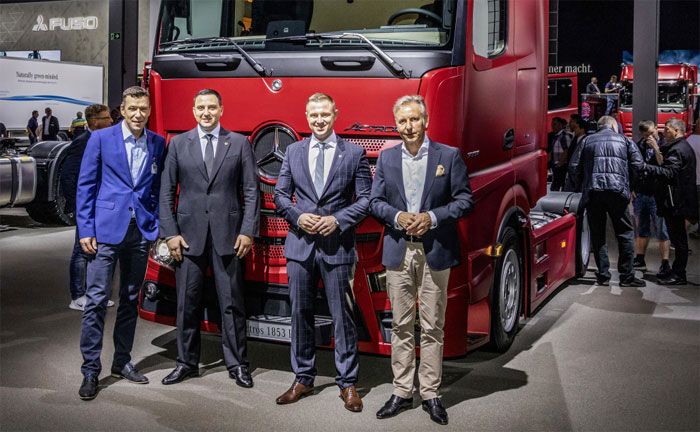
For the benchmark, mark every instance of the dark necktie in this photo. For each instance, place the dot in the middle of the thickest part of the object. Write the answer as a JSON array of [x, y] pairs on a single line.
[[209, 154]]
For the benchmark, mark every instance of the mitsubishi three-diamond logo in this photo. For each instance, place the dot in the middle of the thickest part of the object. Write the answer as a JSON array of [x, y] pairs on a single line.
[[40, 26]]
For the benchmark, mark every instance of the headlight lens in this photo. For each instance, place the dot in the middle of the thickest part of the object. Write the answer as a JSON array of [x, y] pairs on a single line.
[[161, 254]]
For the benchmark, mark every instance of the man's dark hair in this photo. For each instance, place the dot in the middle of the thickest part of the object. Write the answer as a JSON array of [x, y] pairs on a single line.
[[578, 120], [134, 92], [47, 110], [93, 110], [646, 125], [206, 92], [560, 121], [35, 112], [613, 76]]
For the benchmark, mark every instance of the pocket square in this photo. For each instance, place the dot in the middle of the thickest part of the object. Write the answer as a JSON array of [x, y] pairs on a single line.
[[440, 171]]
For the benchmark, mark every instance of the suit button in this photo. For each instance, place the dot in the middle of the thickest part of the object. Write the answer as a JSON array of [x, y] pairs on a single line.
[[131, 209], [206, 211]]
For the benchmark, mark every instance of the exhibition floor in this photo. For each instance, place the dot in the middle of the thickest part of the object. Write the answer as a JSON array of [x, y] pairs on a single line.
[[593, 358]]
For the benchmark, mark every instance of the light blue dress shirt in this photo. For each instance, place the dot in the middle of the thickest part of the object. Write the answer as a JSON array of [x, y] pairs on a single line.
[[413, 170], [136, 151]]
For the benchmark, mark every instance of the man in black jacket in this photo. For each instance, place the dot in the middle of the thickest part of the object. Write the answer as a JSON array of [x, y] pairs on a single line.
[[49, 126], [676, 197], [97, 117], [600, 169]]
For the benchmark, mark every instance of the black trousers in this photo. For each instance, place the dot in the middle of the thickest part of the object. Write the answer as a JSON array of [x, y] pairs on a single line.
[[602, 204], [679, 239], [189, 278], [558, 178]]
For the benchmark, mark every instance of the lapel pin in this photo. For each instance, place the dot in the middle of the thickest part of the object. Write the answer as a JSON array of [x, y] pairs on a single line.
[[225, 142], [440, 171]]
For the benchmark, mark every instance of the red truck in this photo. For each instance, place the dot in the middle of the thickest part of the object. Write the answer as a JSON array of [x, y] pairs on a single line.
[[677, 95], [480, 65]]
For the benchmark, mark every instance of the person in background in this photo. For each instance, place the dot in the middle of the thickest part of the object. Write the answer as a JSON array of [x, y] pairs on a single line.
[[78, 125], [49, 126], [612, 89], [559, 157], [97, 118], [676, 194], [3, 130], [694, 142], [616, 115], [601, 169], [116, 115], [592, 87], [646, 219], [32, 127]]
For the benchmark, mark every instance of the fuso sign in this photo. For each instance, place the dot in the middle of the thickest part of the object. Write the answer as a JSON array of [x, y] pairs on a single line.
[[74, 23]]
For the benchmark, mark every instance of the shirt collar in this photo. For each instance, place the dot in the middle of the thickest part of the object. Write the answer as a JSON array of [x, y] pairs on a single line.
[[126, 133], [202, 133], [421, 151], [331, 141]]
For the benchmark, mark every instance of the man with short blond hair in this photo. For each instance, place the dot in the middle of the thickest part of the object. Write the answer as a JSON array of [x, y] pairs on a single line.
[[420, 191]]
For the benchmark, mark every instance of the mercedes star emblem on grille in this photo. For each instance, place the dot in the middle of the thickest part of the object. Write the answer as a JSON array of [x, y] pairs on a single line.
[[269, 146]]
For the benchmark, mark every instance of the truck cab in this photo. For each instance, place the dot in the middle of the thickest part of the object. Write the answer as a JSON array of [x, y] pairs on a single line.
[[677, 95]]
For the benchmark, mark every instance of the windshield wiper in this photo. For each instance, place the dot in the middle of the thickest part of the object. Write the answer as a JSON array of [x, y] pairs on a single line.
[[391, 64], [259, 68]]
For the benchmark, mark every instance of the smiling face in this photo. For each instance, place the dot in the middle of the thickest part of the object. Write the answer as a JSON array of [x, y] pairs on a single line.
[[321, 117], [411, 124], [135, 111], [207, 111]]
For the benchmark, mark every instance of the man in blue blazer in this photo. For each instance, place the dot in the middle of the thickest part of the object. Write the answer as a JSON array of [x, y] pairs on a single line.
[[420, 191], [331, 181], [117, 216]]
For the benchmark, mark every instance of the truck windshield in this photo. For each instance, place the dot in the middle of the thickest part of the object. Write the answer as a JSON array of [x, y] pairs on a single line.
[[671, 95], [210, 25]]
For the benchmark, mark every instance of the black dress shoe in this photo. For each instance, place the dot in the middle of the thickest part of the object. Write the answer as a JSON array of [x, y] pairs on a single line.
[[88, 389], [633, 282], [674, 280], [242, 376], [436, 410], [393, 406], [179, 374], [129, 373]]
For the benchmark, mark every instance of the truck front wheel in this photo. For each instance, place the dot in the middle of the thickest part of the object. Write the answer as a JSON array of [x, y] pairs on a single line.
[[506, 294]]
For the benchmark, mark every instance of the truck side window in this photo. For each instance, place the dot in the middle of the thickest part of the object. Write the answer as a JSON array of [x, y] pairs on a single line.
[[489, 27], [559, 94]]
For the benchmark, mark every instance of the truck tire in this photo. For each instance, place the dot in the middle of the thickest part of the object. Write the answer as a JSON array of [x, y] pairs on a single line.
[[51, 212], [583, 244], [506, 295]]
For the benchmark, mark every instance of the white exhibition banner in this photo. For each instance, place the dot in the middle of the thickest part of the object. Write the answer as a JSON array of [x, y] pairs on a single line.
[[27, 85]]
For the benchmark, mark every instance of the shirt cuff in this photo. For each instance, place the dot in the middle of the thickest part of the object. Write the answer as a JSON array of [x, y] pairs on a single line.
[[396, 222], [433, 219]]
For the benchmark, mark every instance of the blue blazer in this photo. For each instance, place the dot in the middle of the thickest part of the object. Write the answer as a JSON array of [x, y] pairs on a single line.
[[448, 196], [345, 196], [106, 192]]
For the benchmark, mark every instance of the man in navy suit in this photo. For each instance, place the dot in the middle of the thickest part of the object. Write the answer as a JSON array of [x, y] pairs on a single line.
[[420, 191], [117, 215], [331, 181]]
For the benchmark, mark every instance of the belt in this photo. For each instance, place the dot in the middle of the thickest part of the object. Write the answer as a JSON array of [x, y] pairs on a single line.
[[412, 238]]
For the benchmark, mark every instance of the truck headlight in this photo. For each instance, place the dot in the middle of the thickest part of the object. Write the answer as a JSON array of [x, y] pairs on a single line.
[[377, 281], [161, 254]]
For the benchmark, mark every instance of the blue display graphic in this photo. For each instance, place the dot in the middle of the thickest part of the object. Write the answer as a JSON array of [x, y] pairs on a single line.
[[47, 98], [670, 57]]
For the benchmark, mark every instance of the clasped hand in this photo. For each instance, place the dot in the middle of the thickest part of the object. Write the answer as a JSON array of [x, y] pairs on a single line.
[[415, 224], [315, 224]]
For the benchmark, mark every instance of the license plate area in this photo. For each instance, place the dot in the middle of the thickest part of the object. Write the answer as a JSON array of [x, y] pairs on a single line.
[[279, 329]]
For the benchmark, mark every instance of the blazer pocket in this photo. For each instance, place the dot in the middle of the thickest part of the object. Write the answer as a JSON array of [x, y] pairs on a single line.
[[104, 204]]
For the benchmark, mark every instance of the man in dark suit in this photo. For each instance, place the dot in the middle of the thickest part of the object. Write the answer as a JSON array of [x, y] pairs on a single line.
[[331, 181], [209, 226], [117, 215], [97, 117], [592, 87], [420, 191], [49, 126]]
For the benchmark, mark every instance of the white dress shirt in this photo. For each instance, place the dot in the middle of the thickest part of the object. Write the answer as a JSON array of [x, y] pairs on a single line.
[[203, 138], [413, 170], [328, 154], [47, 125]]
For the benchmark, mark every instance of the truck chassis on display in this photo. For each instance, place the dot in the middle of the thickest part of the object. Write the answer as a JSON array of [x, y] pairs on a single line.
[[480, 65]]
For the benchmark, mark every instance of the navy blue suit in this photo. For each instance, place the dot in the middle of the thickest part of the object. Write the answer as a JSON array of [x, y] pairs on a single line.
[[106, 198], [448, 196], [332, 258]]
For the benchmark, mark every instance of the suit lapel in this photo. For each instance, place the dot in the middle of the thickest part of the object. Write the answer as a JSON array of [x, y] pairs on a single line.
[[337, 160], [433, 160], [222, 146], [193, 145], [121, 150], [395, 163], [305, 165]]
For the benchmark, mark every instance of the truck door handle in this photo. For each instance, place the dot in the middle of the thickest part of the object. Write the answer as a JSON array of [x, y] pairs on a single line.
[[347, 62], [509, 139], [218, 63]]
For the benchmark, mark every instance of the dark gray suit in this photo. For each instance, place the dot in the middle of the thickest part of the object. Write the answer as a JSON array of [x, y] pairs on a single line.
[[331, 258], [210, 216]]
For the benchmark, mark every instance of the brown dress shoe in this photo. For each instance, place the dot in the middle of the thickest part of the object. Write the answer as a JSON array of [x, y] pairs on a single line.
[[295, 392], [351, 398]]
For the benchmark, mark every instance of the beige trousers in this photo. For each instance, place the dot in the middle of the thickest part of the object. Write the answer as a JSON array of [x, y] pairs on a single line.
[[412, 281]]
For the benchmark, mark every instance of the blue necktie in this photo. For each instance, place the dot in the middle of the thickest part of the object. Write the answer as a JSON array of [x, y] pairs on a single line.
[[318, 172]]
